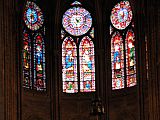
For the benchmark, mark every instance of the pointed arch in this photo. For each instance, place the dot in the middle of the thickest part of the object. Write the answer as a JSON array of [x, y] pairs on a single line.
[[87, 65], [39, 62], [130, 58], [33, 16], [26, 60], [124, 66], [121, 15], [117, 60], [69, 66], [77, 23], [34, 49]]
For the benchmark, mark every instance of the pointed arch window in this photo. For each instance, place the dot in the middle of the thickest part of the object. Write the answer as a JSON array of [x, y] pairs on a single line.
[[78, 62], [117, 59], [33, 48], [69, 62], [123, 60]]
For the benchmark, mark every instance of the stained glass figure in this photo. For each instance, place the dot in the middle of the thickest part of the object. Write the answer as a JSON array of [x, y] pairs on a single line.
[[121, 15], [77, 21], [130, 58], [26, 53], [76, 3], [39, 63], [87, 65], [117, 61], [69, 64], [33, 16]]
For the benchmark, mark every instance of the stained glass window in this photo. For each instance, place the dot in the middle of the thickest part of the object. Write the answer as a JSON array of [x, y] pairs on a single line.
[[117, 59], [33, 16], [121, 15], [78, 64], [87, 66], [130, 58], [69, 63], [77, 21], [26, 60], [123, 59], [33, 52], [39, 63]]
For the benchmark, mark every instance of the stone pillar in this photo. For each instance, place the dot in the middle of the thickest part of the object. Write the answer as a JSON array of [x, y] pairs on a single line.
[[1, 62], [153, 41], [8, 61]]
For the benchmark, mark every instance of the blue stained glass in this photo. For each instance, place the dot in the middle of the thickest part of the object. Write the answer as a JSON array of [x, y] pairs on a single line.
[[123, 61], [38, 54], [39, 63], [34, 75], [76, 77], [117, 63], [26, 52], [87, 65], [130, 58], [32, 16], [69, 63], [122, 15]]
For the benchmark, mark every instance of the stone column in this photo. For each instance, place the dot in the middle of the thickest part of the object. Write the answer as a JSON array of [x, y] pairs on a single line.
[[8, 59], [153, 41]]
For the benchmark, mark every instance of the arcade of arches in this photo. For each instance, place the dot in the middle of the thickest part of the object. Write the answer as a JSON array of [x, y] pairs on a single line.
[[52, 100]]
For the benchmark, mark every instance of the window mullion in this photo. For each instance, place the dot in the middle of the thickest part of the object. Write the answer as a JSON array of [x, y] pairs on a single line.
[[78, 64], [124, 53]]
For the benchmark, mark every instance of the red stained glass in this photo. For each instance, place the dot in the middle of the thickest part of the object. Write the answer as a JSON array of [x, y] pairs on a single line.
[[33, 16], [77, 21], [78, 67], [121, 15], [87, 65], [111, 29], [26, 53], [69, 64], [39, 63], [33, 51], [117, 60], [130, 58]]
